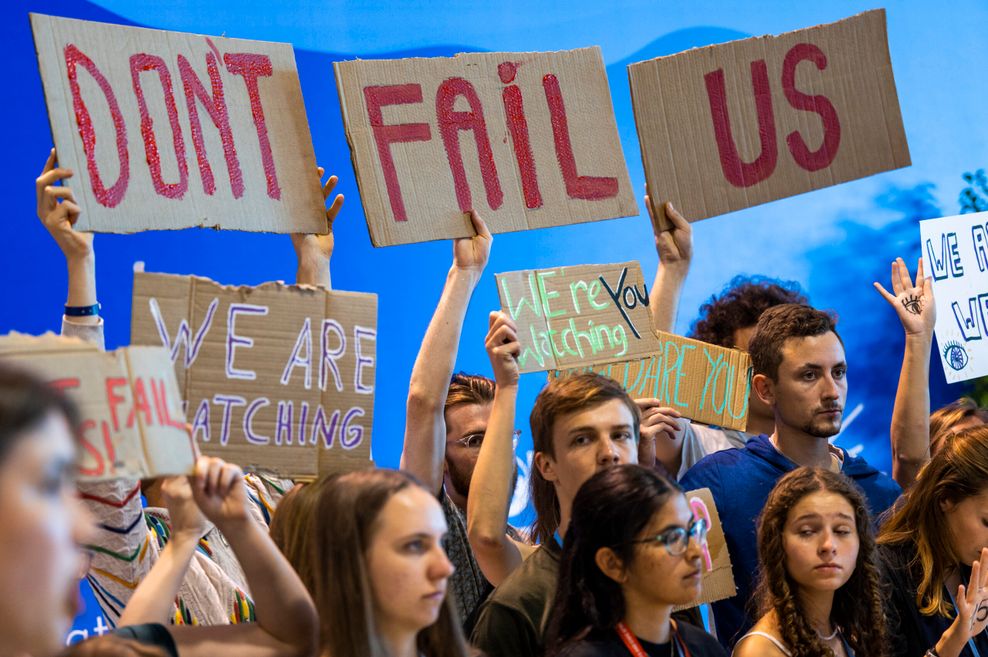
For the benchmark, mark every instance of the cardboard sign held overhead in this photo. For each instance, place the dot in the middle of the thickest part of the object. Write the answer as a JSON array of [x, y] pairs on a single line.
[[132, 420], [572, 316], [955, 255], [734, 125], [718, 574], [276, 377], [528, 140], [168, 130], [704, 382]]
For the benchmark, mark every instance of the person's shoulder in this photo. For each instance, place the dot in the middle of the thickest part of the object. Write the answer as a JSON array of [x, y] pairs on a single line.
[[699, 641], [757, 645], [591, 648], [535, 579]]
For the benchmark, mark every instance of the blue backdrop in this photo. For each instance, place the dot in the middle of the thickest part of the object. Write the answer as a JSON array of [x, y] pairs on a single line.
[[835, 242]]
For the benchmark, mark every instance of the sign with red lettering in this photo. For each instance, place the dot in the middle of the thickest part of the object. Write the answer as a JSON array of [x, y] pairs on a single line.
[[132, 420], [738, 124], [168, 130], [275, 377], [528, 140]]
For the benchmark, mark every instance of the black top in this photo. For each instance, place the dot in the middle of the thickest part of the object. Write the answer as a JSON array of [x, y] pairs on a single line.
[[607, 643], [911, 633], [151, 634]]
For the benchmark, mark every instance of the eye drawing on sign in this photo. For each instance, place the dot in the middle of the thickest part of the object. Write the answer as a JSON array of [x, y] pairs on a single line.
[[913, 304], [700, 512], [955, 355]]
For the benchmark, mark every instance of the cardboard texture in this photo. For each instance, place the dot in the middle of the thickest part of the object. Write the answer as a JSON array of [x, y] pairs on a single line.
[[596, 318], [168, 130], [955, 255], [572, 316], [718, 574], [734, 125], [528, 140], [278, 378], [132, 420]]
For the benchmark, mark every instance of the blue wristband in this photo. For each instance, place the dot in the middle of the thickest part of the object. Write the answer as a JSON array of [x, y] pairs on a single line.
[[82, 311]]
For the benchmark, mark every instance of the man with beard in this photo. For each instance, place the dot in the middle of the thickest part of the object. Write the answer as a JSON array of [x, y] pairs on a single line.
[[800, 372]]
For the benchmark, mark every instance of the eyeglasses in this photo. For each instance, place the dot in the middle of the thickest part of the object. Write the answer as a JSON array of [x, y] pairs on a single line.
[[475, 440], [677, 539]]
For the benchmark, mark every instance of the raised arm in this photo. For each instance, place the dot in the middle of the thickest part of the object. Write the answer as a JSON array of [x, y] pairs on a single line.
[[287, 623], [491, 487], [675, 249], [424, 449], [153, 601], [910, 429], [315, 251]]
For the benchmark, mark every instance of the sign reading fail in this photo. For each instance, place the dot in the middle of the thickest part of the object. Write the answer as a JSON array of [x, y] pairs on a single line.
[[718, 574], [131, 411], [704, 382], [528, 140], [955, 255], [571, 316], [275, 377], [167, 130], [734, 125]]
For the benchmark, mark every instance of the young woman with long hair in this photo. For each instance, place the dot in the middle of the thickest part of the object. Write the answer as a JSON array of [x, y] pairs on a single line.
[[631, 554], [935, 545], [818, 592]]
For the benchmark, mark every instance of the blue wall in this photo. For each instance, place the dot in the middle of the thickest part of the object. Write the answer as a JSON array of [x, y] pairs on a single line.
[[834, 241]]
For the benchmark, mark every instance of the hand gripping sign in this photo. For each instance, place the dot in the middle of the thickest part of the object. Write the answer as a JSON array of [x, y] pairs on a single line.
[[167, 130]]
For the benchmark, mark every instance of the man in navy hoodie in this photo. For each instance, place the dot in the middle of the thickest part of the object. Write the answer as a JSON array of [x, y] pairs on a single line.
[[800, 372]]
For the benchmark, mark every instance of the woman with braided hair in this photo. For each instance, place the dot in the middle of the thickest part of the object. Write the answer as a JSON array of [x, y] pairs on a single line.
[[819, 584]]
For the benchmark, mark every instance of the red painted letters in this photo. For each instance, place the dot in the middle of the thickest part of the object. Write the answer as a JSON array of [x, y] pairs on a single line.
[[251, 67], [514, 109], [144, 62], [823, 156]]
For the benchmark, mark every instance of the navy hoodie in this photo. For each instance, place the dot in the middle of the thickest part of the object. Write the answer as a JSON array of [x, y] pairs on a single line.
[[740, 480]]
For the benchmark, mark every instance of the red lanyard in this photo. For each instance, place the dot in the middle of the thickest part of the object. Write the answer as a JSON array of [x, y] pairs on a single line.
[[635, 648]]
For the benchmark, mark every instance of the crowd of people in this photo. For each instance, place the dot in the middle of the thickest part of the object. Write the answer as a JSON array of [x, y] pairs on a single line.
[[830, 556]]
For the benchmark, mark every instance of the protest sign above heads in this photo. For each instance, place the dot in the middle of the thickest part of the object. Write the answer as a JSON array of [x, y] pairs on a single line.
[[718, 574], [528, 140], [955, 256], [705, 382], [734, 125], [275, 377], [131, 411], [168, 130], [572, 316]]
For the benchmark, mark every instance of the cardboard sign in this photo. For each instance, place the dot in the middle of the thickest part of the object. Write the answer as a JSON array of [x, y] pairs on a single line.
[[955, 255], [132, 420], [704, 382], [572, 316], [276, 377], [718, 574], [528, 140], [738, 124], [169, 130]]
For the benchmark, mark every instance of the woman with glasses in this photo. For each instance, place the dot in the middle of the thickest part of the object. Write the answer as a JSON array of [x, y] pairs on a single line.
[[631, 554], [818, 592]]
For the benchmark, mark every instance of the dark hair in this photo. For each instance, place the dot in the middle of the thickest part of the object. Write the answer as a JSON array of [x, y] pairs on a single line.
[[956, 472], [346, 513], [611, 509], [857, 607], [739, 306], [943, 420], [25, 402], [469, 389], [561, 396], [779, 324]]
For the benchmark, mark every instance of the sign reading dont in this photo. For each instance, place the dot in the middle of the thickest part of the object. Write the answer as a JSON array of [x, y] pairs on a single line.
[[168, 130], [528, 140], [734, 125], [275, 377]]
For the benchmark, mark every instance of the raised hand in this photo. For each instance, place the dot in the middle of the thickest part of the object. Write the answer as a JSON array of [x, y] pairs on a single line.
[[972, 600], [315, 251], [659, 432], [186, 518], [913, 302], [675, 245], [58, 211], [218, 489], [503, 348], [472, 253]]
